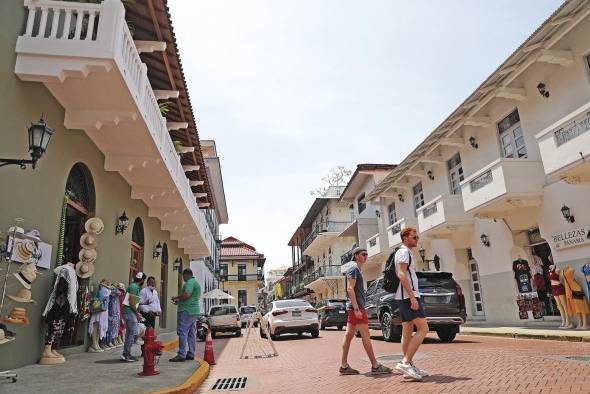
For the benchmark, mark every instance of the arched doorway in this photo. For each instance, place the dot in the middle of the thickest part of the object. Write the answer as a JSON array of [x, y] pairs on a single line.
[[137, 243], [164, 284], [78, 206]]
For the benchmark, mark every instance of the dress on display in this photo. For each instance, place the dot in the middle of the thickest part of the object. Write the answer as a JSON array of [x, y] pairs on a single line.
[[114, 315], [102, 318], [586, 272], [62, 304], [556, 290], [577, 306]]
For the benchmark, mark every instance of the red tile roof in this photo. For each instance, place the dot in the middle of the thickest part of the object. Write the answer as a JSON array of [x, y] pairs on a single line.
[[235, 248]]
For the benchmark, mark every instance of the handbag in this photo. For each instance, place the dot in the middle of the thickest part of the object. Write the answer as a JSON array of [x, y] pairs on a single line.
[[576, 294], [97, 305]]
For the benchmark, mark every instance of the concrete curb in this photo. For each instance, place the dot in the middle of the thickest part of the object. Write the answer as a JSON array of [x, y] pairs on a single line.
[[550, 337], [193, 382]]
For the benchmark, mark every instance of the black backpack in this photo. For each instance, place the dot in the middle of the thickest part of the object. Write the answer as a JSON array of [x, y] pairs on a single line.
[[390, 279]]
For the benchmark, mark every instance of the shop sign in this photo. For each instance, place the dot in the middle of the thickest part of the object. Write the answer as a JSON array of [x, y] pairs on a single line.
[[569, 239]]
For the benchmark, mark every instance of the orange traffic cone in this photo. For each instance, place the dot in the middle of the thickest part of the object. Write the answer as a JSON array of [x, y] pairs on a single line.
[[209, 357]]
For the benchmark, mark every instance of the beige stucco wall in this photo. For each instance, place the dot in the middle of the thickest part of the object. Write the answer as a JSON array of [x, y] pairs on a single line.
[[36, 195]]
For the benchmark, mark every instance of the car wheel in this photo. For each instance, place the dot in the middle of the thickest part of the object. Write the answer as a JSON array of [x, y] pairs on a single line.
[[446, 334], [322, 326], [213, 334], [315, 333], [357, 334], [340, 328], [387, 328], [239, 333]]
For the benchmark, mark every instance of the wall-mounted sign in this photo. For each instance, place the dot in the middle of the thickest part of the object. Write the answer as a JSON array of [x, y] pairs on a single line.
[[568, 239]]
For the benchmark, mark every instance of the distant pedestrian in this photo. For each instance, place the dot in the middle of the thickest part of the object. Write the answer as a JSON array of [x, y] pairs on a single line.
[[131, 315], [410, 304], [149, 305], [357, 316], [188, 313]]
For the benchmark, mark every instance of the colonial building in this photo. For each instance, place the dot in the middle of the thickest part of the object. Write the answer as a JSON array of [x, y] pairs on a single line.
[[241, 271], [125, 149], [505, 178], [204, 269]]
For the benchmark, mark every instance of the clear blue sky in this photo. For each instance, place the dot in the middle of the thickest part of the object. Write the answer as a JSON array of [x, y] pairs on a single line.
[[290, 89]]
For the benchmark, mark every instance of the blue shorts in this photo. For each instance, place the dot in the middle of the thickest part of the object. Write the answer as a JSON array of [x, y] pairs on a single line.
[[408, 314]]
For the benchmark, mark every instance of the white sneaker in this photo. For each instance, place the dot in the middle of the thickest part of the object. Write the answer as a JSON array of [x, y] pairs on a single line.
[[422, 372], [409, 371]]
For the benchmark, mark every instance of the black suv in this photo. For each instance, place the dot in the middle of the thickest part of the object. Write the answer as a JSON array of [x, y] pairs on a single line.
[[444, 305], [331, 313]]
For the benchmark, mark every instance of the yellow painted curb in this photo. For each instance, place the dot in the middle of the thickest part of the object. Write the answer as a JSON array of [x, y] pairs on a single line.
[[192, 383], [168, 346]]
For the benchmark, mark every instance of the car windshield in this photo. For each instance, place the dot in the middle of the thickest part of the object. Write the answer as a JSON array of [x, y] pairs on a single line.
[[291, 303], [247, 309], [337, 302], [222, 310], [433, 281]]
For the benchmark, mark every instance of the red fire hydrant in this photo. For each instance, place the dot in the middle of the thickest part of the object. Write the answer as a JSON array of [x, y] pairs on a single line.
[[151, 349]]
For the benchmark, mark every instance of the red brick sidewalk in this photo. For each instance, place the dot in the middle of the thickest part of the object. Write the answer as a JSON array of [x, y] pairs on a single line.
[[472, 364]]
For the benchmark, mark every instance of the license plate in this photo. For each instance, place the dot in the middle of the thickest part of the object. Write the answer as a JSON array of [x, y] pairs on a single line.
[[296, 313], [437, 299], [342, 312]]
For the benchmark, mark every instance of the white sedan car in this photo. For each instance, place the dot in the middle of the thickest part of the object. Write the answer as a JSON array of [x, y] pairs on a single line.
[[290, 316]]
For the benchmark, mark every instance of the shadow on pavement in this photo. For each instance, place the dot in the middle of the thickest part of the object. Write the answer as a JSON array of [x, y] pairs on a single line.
[[440, 379]]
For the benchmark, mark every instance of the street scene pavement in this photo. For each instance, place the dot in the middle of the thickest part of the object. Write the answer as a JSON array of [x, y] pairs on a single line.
[[471, 364]]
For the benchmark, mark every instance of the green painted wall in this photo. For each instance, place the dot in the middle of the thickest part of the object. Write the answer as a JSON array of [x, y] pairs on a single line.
[[36, 195]]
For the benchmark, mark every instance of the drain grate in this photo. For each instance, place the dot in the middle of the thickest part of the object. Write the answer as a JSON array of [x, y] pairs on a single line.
[[571, 357], [231, 384], [584, 359]]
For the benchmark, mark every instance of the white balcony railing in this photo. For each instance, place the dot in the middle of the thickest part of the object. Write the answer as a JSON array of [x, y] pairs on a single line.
[[70, 39], [503, 178], [393, 233], [566, 142], [444, 209], [373, 245]]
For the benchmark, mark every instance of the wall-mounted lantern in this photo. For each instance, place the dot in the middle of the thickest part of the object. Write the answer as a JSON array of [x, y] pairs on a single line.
[[485, 240], [400, 197], [430, 175], [473, 142], [158, 250], [543, 91], [567, 215], [39, 137], [122, 224]]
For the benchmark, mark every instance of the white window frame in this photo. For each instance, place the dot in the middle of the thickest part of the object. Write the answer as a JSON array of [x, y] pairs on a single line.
[[510, 132], [392, 211], [420, 203], [460, 173]]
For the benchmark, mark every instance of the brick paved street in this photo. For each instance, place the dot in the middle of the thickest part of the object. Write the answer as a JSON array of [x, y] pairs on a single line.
[[472, 364]]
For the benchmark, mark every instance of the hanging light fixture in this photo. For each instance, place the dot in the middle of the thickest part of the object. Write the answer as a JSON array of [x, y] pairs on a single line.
[[400, 197], [39, 137], [122, 224], [485, 240], [430, 175], [158, 250], [567, 215], [177, 264], [543, 91], [473, 142]]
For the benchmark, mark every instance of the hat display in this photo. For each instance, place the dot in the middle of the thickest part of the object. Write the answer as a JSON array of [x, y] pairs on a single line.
[[34, 233], [84, 270], [16, 229], [140, 275], [87, 255], [94, 226], [23, 295], [121, 286], [3, 338], [17, 316], [26, 275], [88, 241], [105, 283]]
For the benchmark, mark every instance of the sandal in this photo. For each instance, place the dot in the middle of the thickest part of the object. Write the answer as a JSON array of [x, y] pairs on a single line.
[[348, 371], [380, 370]]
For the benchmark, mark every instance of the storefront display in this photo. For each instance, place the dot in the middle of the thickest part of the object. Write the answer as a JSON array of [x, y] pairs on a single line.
[[529, 302], [522, 274], [586, 272], [558, 293], [575, 298]]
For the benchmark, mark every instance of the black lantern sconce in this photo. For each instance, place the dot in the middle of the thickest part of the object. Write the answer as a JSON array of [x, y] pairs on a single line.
[[39, 137], [158, 250], [177, 264], [567, 215], [122, 224], [473, 142], [377, 213], [485, 240], [435, 260], [400, 197], [430, 175], [542, 88]]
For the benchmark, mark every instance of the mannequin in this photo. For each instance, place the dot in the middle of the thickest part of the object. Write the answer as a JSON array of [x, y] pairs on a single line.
[[122, 291], [62, 305], [114, 317], [558, 293], [578, 306], [586, 272], [99, 320]]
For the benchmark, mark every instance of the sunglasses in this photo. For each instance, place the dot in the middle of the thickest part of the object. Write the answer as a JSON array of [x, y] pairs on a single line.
[[415, 237], [364, 254]]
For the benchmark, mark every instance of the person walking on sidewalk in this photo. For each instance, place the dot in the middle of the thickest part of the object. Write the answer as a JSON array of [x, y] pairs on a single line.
[[410, 304], [131, 315], [357, 316], [188, 313]]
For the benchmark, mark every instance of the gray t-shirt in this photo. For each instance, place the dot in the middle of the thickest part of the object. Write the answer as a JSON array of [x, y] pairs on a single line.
[[359, 287]]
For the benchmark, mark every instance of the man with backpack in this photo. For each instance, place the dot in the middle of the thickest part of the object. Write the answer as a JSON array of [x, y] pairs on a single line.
[[410, 304], [357, 316]]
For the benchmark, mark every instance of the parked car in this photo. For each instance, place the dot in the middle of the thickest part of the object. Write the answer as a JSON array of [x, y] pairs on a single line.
[[224, 318], [249, 311], [332, 313], [290, 316], [444, 305]]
